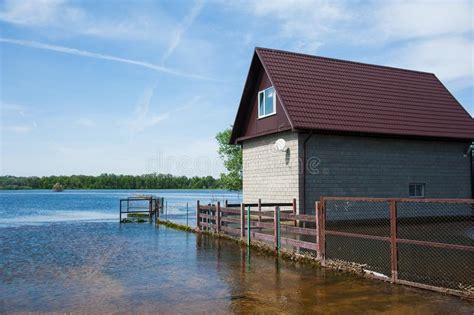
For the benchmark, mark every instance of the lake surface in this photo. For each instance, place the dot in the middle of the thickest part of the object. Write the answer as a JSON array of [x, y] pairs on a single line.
[[66, 252]]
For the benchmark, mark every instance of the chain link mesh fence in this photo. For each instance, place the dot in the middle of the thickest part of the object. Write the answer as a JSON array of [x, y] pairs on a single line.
[[428, 241], [352, 231], [441, 251]]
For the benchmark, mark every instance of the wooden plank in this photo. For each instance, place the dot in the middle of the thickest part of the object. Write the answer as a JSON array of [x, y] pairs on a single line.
[[208, 225], [300, 217], [230, 230], [262, 237], [218, 216], [230, 220], [286, 228], [229, 210], [207, 216], [298, 243]]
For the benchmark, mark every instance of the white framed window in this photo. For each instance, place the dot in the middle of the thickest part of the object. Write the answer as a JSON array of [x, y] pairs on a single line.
[[266, 102], [416, 190]]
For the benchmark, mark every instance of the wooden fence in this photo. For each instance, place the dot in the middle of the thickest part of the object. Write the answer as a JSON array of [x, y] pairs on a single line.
[[276, 224]]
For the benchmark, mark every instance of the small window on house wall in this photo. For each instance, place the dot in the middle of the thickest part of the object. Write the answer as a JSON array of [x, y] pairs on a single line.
[[266, 102], [416, 190]]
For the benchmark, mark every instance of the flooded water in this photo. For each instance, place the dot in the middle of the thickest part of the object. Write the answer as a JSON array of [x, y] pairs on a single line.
[[100, 266]]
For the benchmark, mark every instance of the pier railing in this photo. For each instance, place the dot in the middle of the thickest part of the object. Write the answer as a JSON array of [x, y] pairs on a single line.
[[276, 224], [139, 207]]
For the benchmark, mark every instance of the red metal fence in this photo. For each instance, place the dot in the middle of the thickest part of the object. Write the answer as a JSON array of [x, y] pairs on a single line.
[[427, 243]]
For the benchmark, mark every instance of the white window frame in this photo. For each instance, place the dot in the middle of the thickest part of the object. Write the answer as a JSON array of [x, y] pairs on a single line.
[[264, 98], [423, 190]]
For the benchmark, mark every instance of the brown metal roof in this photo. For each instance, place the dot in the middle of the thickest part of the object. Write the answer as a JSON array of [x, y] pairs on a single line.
[[333, 95]]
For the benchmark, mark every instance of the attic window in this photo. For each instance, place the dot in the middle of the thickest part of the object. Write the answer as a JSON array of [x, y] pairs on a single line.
[[266, 102]]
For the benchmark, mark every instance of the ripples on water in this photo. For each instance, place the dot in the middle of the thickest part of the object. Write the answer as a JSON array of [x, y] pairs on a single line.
[[104, 267]]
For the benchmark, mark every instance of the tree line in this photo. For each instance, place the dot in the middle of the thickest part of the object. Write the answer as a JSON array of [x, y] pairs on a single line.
[[111, 181], [232, 180]]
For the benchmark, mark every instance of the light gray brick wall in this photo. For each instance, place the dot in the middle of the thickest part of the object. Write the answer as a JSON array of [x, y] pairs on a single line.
[[384, 167], [268, 174], [352, 166]]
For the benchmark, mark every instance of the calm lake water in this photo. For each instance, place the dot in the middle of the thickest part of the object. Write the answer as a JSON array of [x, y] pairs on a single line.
[[66, 252]]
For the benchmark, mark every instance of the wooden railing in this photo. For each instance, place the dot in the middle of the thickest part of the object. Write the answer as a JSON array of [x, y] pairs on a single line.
[[277, 224]]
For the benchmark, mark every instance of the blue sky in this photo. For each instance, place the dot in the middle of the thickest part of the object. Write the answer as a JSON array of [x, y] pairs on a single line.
[[132, 87]]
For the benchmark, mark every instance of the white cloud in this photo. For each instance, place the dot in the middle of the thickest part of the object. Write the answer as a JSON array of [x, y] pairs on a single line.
[[450, 58], [65, 16], [142, 116], [307, 23], [182, 28], [412, 19], [39, 12], [433, 36], [17, 128], [85, 53], [12, 108]]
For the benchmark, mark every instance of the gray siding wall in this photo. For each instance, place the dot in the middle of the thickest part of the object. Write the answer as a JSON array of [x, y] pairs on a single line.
[[268, 174], [383, 167]]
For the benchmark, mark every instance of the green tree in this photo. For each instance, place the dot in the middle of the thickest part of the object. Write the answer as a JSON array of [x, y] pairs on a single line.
[[232, 157]]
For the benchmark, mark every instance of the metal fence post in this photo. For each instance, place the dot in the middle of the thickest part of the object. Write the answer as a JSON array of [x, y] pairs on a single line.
[[248, 226], [218, 217], [150, 209], [187, 214], [393, 239], [276, 228], [197, 215], [242, 221], [120, 217]]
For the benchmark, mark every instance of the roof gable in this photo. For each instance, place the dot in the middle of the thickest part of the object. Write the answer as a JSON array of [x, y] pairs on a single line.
[[247, 124], [332, 95]]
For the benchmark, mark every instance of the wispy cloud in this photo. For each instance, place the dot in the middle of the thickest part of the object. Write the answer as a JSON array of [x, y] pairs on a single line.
[[71, 19], [182, 28], [85, 53], [434, 36], [142, 117], [17, 128], [86, 122], [15, 108]]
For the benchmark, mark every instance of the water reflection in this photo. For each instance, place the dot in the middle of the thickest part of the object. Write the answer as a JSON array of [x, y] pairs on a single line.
[[108, 268]]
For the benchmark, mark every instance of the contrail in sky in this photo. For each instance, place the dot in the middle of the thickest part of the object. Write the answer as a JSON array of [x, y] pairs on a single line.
[[85, 53]]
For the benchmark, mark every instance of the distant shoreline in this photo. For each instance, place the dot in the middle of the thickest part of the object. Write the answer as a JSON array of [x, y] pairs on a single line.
[[86, 189], [110, 181]]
